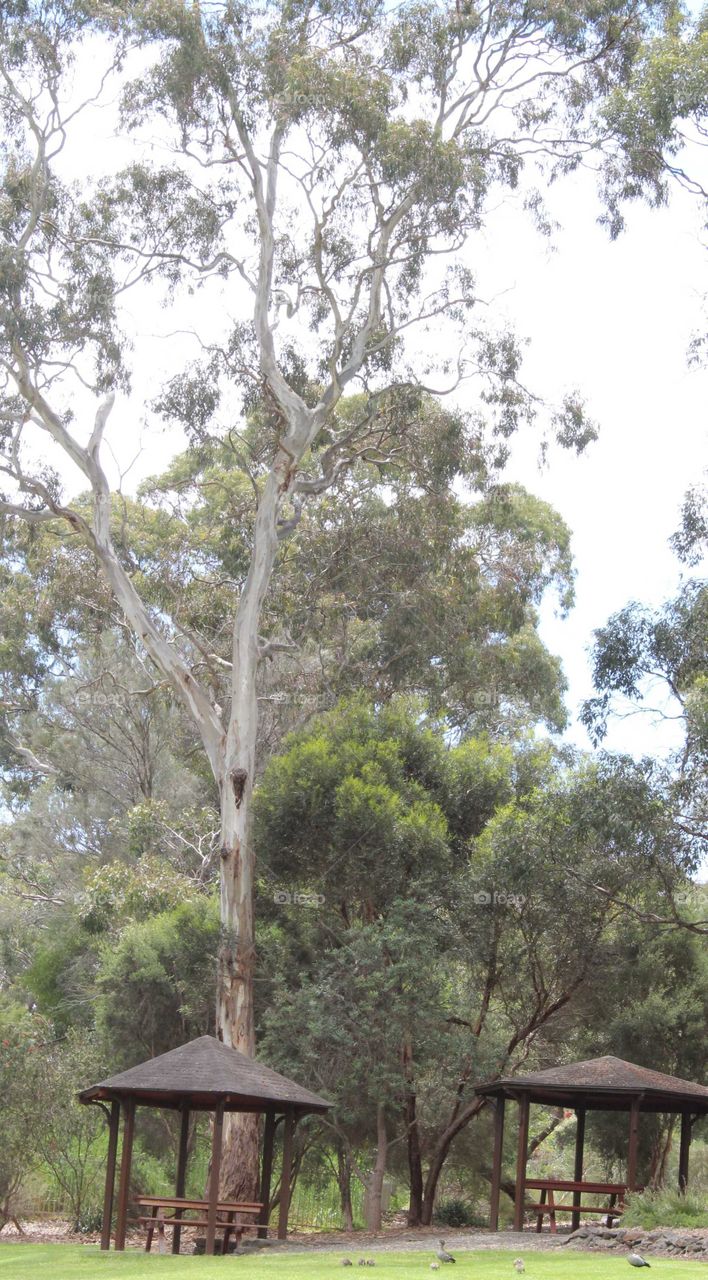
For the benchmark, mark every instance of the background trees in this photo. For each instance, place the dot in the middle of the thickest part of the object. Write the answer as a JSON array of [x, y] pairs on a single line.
[[340, 205], [448, 926], [327, 167]]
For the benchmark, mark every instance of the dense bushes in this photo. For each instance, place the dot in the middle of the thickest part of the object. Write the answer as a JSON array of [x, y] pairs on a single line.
[[666, 1208]]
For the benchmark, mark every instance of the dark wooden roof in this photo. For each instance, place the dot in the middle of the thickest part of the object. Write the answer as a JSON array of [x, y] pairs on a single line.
[[603, 1084], [202, 1073]]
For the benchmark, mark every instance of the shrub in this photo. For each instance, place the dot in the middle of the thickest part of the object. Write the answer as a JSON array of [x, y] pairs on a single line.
[[665, 1209], [88, 1221], [455, 1212]]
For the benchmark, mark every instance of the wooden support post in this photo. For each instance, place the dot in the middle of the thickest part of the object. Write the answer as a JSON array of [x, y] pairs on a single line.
[[286, 1176], [633, 1144], [497, 1158], [113, 1127], [683, 1151], [521, 1158], [578, 1167], [126, 1157], [181, 1179], [539, 1216], [214, 1179], [266, 1174]]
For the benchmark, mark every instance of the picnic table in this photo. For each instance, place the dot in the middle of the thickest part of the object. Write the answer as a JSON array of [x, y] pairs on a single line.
[[169, 1211], [615, 1191]]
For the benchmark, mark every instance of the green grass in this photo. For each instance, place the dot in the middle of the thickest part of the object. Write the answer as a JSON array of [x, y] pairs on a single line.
[[71, 1262]]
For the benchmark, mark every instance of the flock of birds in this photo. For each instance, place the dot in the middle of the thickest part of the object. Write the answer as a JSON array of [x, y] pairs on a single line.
[[442, 1256]]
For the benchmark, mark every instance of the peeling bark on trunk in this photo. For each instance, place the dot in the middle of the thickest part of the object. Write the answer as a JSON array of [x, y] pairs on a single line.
[[235, 1013]]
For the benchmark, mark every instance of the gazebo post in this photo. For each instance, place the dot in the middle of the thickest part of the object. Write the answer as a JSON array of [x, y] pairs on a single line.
[[181, 1178], [521, 1158], [126, 1157], [578, 1167], [266, 1174], [214, 1179], [286, 1176], [497, 1163], [633, 1144], [113, 1126], [684, 1150]]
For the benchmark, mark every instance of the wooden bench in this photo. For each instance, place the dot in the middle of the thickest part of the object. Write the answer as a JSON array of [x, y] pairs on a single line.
[[615, 1191], [176, 1207]]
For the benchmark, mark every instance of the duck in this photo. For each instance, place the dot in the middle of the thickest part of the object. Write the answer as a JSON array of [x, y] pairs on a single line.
[[442, 1255]]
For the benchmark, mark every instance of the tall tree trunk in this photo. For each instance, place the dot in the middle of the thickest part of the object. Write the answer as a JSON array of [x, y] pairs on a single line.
[[344, 1181], [415, 1166], [440, 1154], [374, 1185], [660, 1149], [235, 1012]]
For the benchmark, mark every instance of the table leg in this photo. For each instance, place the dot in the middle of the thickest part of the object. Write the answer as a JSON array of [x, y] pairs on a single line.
[[539, 1216], [150, 1230], [227, 1233], [161, 1245], [552, 1214]]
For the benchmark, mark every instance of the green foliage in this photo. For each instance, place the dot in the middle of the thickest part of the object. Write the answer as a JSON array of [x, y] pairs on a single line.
[[668, 83], [643, 656], [62, 973], [21, 1038], [89, 1221], [665, 1208], [454, 1212], [359, 804], [156, 981], [122, 892], [67, 1137]]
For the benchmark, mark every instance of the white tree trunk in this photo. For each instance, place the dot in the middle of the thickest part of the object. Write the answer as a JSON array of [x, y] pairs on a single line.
[[235, 1014]]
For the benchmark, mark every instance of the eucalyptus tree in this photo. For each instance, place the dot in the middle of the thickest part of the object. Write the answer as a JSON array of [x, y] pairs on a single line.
[[331, 162]]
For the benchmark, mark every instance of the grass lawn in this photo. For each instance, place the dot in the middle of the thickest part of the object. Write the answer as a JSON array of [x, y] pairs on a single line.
[[86, 1262]]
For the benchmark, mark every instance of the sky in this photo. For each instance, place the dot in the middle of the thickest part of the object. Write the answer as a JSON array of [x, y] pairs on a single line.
[[612, 319]]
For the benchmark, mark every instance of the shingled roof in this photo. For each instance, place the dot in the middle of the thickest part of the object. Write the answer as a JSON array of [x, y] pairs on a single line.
[[605, 1083], [202, 1073]]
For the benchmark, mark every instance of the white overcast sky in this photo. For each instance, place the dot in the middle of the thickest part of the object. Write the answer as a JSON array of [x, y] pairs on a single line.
[[612, 319]]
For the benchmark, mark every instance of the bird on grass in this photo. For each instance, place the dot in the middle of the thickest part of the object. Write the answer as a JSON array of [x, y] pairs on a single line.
[[442, 1255], [519, 1265], [636, 1260], [346, 1262], [435, 1266]]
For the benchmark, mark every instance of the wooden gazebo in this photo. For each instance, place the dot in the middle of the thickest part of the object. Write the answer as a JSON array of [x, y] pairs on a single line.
[[600, 1084], [203, 1075]]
